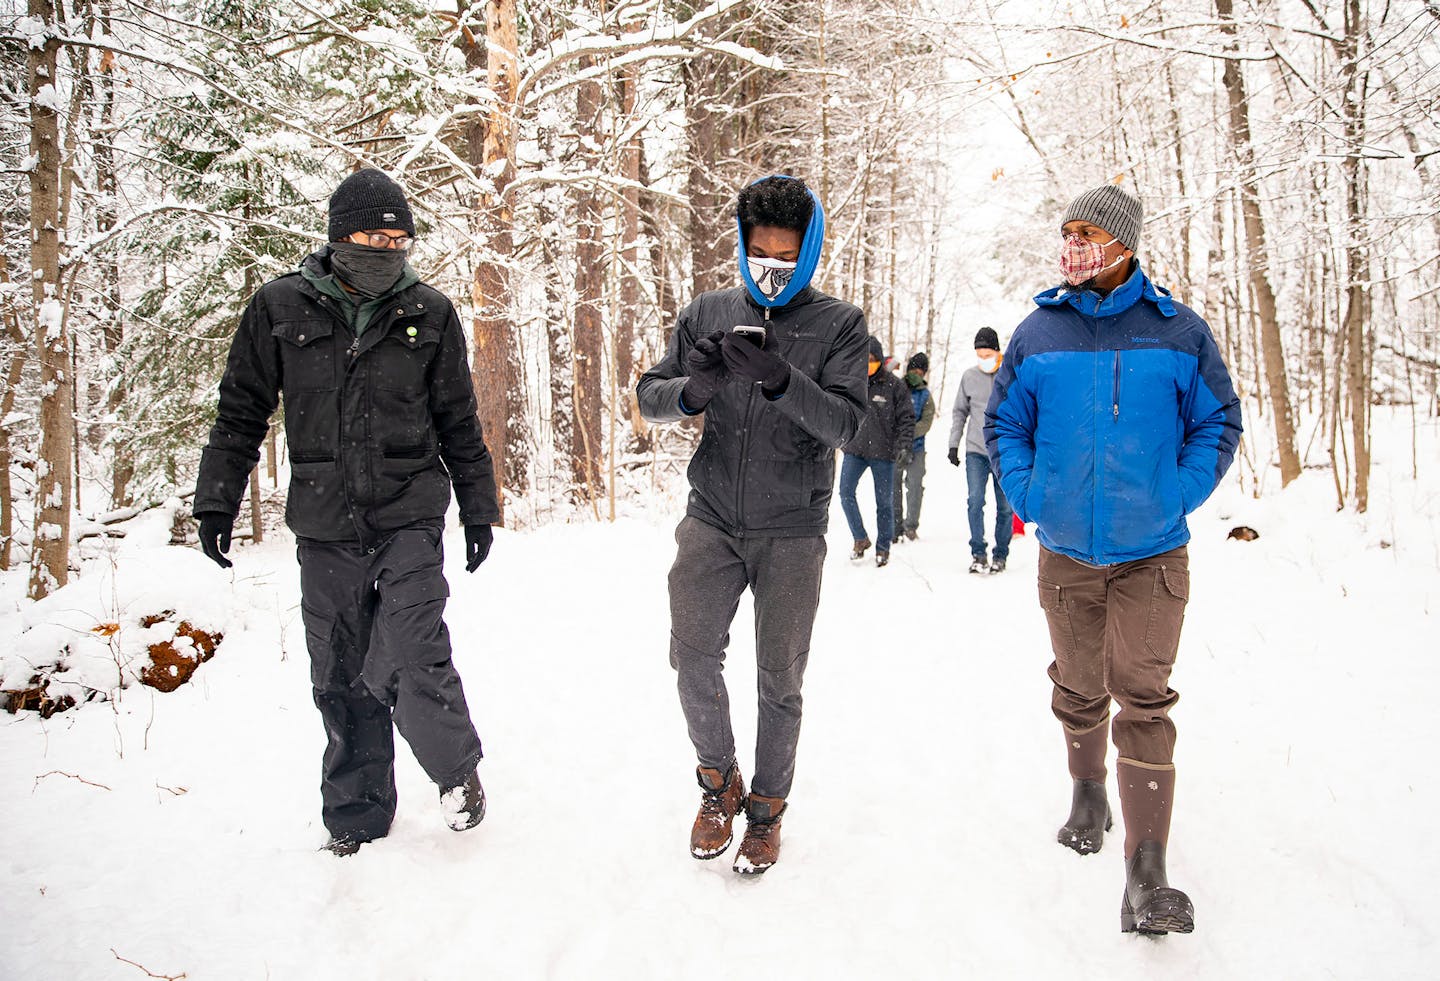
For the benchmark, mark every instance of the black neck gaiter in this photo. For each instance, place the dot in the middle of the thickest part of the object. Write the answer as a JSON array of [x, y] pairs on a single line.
[[366, 270]]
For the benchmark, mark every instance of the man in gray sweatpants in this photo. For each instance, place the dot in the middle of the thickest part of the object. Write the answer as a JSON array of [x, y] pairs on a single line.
[[777, 398]]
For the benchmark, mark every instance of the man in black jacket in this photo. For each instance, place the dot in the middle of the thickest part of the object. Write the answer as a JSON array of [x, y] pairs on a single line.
[[380, 422], [776, 404], [887, 429]]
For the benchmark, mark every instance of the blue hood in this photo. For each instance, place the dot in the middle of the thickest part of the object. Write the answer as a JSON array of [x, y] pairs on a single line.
[[804, 266]]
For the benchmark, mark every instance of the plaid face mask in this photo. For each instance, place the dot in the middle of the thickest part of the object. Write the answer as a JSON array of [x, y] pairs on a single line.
[[1082, 260]]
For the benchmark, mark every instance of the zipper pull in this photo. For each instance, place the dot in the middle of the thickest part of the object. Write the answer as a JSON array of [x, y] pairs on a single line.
[[1117, 410], [355, 349]]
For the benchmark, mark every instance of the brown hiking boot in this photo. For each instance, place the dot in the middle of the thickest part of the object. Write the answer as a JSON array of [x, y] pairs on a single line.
[[760, 847], [722, 799]]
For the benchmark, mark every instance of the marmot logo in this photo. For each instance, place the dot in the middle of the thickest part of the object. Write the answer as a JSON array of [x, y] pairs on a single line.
[[878, 398], [1144, 340], [388, 216]]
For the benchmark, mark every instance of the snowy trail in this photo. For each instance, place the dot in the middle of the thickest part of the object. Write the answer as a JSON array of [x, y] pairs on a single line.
[[919, 842]]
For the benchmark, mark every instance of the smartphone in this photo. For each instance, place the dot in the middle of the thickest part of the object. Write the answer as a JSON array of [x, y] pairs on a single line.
[[755, 335]]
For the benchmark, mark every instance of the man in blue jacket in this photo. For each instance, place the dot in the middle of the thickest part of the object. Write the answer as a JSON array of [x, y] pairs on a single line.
[[1113, 418]]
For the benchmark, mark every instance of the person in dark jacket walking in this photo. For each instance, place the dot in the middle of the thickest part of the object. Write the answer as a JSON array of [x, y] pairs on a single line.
[[886, 434], [777, 398], [380, 422], [910, 466], [1113, 417], [968, 425]]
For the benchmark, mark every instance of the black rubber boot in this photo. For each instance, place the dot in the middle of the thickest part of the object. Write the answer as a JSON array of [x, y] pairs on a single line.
[[1149, 904], [1084, 830]]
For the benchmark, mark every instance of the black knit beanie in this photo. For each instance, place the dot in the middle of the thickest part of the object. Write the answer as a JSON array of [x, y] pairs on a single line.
[[877, 350], [367, 200], [918, 362], [986, 337]]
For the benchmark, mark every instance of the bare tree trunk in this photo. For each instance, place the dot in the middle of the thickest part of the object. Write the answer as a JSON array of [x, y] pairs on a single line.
[[15, 333], [499, 386], [629, 235], [113, 330], [589, 306], [706, 142], [50, 557], [1357, 263], [1258, 254]]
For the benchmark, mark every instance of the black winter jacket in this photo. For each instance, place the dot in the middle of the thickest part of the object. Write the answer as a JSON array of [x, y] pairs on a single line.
[[378, 428], [767, 466], [890, 421]]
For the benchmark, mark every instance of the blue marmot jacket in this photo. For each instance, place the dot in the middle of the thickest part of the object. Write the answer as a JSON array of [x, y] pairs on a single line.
[[1112, 418]]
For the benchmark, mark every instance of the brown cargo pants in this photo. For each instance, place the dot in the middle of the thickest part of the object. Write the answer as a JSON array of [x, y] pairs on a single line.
[[1115, 631]]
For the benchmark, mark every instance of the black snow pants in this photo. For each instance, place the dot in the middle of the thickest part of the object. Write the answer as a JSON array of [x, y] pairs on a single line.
[[380, 654]]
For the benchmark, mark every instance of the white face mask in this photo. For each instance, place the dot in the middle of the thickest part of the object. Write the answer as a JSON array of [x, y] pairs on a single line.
[[988, 365], [770, 276]]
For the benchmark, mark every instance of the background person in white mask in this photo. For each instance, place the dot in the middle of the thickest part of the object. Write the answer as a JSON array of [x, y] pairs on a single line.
[[969, 422]]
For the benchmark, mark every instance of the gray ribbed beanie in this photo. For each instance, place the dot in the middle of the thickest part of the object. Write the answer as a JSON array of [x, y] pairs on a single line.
[[368, 199], [1111, 209]]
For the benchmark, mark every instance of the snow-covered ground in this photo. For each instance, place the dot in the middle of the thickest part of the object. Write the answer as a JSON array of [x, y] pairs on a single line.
[[180, 831]]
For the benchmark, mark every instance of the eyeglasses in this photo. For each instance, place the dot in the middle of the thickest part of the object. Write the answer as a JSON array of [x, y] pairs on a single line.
[[379, 240]]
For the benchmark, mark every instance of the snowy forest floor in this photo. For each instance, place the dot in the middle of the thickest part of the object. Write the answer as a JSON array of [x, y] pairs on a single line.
[[920, 839]]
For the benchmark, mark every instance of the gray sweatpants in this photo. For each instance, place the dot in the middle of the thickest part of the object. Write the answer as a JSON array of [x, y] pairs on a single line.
[[711, 571], [380, 654]]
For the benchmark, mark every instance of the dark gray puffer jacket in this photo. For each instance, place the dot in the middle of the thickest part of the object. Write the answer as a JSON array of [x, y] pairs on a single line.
[[767, 467], [379, 427]]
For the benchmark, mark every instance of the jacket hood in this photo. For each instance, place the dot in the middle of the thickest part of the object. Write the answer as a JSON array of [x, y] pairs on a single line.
[[1120, 299], [804, 266]]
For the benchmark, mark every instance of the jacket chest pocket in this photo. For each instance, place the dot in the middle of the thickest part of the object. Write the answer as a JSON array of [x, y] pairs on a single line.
[[307, 354], [402, 359], [400, 387]]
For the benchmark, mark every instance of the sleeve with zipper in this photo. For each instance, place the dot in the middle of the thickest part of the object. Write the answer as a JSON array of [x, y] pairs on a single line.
[[658, 390], [458, 430], [904, 417], [832, 408], [959, 416], [1211, 417], [249, 393], [927, 415]]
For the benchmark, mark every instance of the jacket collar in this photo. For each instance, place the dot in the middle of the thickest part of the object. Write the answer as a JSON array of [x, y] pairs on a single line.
[[1090, 303], [805, 296], [315, 270]]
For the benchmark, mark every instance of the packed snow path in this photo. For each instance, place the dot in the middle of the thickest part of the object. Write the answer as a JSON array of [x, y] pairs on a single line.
[[920, 838]]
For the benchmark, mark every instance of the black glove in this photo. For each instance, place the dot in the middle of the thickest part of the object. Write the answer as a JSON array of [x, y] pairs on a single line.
[[954, 456], [757, 364], [215, 529], [905, 455], [478, 539], [707, 372]]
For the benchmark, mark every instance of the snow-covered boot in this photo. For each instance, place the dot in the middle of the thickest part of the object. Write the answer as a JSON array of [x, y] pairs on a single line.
[[760, 848], [978, 566], [1149, 904], [464, 804], [882, 559], [861, 546], [723, 796], [1089, 818]]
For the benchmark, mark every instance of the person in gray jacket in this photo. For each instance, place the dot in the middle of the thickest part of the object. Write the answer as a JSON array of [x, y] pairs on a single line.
[[776, 400], [969, 423]]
